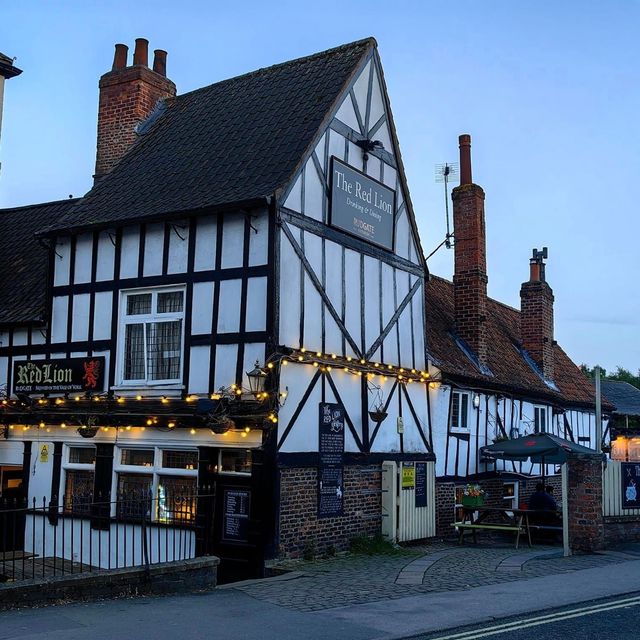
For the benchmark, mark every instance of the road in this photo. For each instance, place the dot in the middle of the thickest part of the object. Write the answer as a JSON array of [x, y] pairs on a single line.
[[596, 620]]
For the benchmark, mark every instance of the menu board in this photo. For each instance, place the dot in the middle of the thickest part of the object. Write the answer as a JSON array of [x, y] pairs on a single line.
[[330, 468], [630, 485], [421, 484], [237, 504]]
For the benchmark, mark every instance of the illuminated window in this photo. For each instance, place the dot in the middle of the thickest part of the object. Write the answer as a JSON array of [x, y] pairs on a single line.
[[235, 461], [510, 494], [79, 473], [157, 484]]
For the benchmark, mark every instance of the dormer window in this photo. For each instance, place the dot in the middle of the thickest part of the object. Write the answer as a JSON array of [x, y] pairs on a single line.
[[151, 336]]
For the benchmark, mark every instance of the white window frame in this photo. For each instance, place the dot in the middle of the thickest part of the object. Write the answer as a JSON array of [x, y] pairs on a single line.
[[156, 471], [154, 316], [516, 493], [462, 415], [540, 410], [233, 473], [73, 466]]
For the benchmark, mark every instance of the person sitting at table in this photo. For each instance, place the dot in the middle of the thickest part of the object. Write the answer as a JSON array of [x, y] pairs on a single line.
[[549, 491], [541, 500]]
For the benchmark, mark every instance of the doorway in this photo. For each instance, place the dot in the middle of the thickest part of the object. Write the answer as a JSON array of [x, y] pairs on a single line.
[[13, 509]]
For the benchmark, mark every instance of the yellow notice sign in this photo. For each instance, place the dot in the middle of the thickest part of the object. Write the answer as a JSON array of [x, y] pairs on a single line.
[[44, 453], [408, 475]]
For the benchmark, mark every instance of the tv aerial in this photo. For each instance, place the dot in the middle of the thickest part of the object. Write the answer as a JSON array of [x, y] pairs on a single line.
[[444, 173]]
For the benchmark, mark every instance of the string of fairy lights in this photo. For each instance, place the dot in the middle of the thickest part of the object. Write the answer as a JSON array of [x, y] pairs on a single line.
[[373, 371]]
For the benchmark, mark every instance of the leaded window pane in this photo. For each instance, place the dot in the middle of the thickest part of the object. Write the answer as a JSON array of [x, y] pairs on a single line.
[[134, 352], [164, 350], [138, 304], [176, 499], [180, 459], [134, 495], [235, 460], [78, 492], [138, 457], [455, 410], [82, 455], [170, 302]]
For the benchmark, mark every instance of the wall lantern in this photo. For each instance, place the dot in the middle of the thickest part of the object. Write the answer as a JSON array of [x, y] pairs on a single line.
[[476, 401], [257, 378]]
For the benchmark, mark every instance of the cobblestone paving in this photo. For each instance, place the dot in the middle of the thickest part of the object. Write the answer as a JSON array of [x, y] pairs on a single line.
[[354, 579]]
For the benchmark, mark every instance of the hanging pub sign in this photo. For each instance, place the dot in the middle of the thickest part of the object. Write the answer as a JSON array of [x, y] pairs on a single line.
[[630, 485], [330, 468], [361, 205], [59, 375]]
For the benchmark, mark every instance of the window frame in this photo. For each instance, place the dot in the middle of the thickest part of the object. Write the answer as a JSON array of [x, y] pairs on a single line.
[[67, 467], [124, 319], [460, 413], [515, 498], [155, 472], [540, 409]]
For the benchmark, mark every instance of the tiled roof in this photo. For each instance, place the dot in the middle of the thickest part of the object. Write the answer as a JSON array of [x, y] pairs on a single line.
[[234, 141], [511, 371], [625, 396], [23, 260]]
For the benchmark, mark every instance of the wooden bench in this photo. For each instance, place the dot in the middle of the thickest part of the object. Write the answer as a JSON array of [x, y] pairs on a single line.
[[517, 522]]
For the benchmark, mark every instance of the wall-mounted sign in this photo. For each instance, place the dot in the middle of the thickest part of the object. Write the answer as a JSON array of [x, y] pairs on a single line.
[[630, 485], [331, 452], [59, 375], [408, 475], [361, 205], [421, 484], [237, 503], [44, 453]]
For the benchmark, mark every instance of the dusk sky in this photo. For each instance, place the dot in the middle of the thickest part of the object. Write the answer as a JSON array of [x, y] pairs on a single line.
[[549, 91]]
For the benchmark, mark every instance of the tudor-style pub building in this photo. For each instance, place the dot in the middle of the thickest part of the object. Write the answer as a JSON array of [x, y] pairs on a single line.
[[231, 323]]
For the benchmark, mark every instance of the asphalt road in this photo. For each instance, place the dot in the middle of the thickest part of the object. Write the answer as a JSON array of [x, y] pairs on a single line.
[[612, 618]]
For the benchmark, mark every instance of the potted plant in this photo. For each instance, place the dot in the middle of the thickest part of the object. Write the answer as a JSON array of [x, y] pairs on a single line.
[[473, 496]]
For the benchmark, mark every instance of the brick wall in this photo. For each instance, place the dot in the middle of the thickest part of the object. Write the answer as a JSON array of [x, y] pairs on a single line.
[[586, 524], [619, 529], [445, 501], [301, 531]]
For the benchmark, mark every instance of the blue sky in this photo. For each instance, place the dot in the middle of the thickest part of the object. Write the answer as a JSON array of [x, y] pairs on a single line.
[[549, 91]]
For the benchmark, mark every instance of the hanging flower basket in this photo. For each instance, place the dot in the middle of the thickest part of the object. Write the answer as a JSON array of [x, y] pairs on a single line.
[[378, 415]]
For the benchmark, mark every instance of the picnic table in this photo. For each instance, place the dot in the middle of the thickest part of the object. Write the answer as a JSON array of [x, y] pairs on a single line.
[[504, 519]]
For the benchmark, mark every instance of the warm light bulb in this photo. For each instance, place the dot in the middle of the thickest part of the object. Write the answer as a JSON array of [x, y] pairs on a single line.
[[121, 400], [270, 365], [192, 432], [138, 397], [285, 363]]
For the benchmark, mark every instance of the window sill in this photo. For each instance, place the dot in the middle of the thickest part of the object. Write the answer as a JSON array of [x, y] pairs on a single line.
[[158, 390], [459, 430]]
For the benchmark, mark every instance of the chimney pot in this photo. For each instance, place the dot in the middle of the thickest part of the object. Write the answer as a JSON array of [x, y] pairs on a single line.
[[120, 57], [465, 158], [160, 62], [141, 53]]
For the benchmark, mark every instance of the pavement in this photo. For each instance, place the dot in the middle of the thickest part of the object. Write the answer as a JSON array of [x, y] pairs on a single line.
[[415, 591]]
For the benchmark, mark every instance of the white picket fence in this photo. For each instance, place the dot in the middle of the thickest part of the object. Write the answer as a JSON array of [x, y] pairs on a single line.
[[612, 491]]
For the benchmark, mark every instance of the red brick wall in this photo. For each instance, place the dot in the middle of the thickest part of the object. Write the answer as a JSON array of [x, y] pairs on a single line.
[[619, 529], [127, 97], [470, 273], [300, 529], [536, 323], [586, 524]]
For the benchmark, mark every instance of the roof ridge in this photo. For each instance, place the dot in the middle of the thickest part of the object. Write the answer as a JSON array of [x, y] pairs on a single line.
[[278, 65], [39, 204]]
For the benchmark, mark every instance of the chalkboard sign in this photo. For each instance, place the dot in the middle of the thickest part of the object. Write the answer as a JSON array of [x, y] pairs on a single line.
[[331, 452], [630, 485], [237, 503], [421, 484]]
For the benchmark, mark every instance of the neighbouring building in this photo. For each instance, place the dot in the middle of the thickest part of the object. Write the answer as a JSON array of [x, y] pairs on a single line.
[[225, 337], [624, 425], [7, 71], [497, 372]]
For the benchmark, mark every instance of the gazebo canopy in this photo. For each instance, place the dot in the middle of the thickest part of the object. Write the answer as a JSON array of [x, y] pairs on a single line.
[[538, 447]]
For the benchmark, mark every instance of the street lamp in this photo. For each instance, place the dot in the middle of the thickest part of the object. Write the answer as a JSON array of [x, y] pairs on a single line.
[[257, 378]]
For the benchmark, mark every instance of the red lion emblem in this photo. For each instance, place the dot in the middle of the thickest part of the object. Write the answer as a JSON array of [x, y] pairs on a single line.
[[91, 373]]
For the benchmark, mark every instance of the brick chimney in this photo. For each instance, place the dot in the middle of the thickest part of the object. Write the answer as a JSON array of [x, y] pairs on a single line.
[[128, 95], [536, 314], [470, 273]]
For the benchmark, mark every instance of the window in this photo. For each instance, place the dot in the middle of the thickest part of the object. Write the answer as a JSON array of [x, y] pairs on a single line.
[[79, 469], [539, 419], [510, 494], [235, 461], [459, 411], [152, 326], [157, 484]]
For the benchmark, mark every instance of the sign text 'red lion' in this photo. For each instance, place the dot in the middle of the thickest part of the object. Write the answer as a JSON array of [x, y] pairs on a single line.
[[59, 375]]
